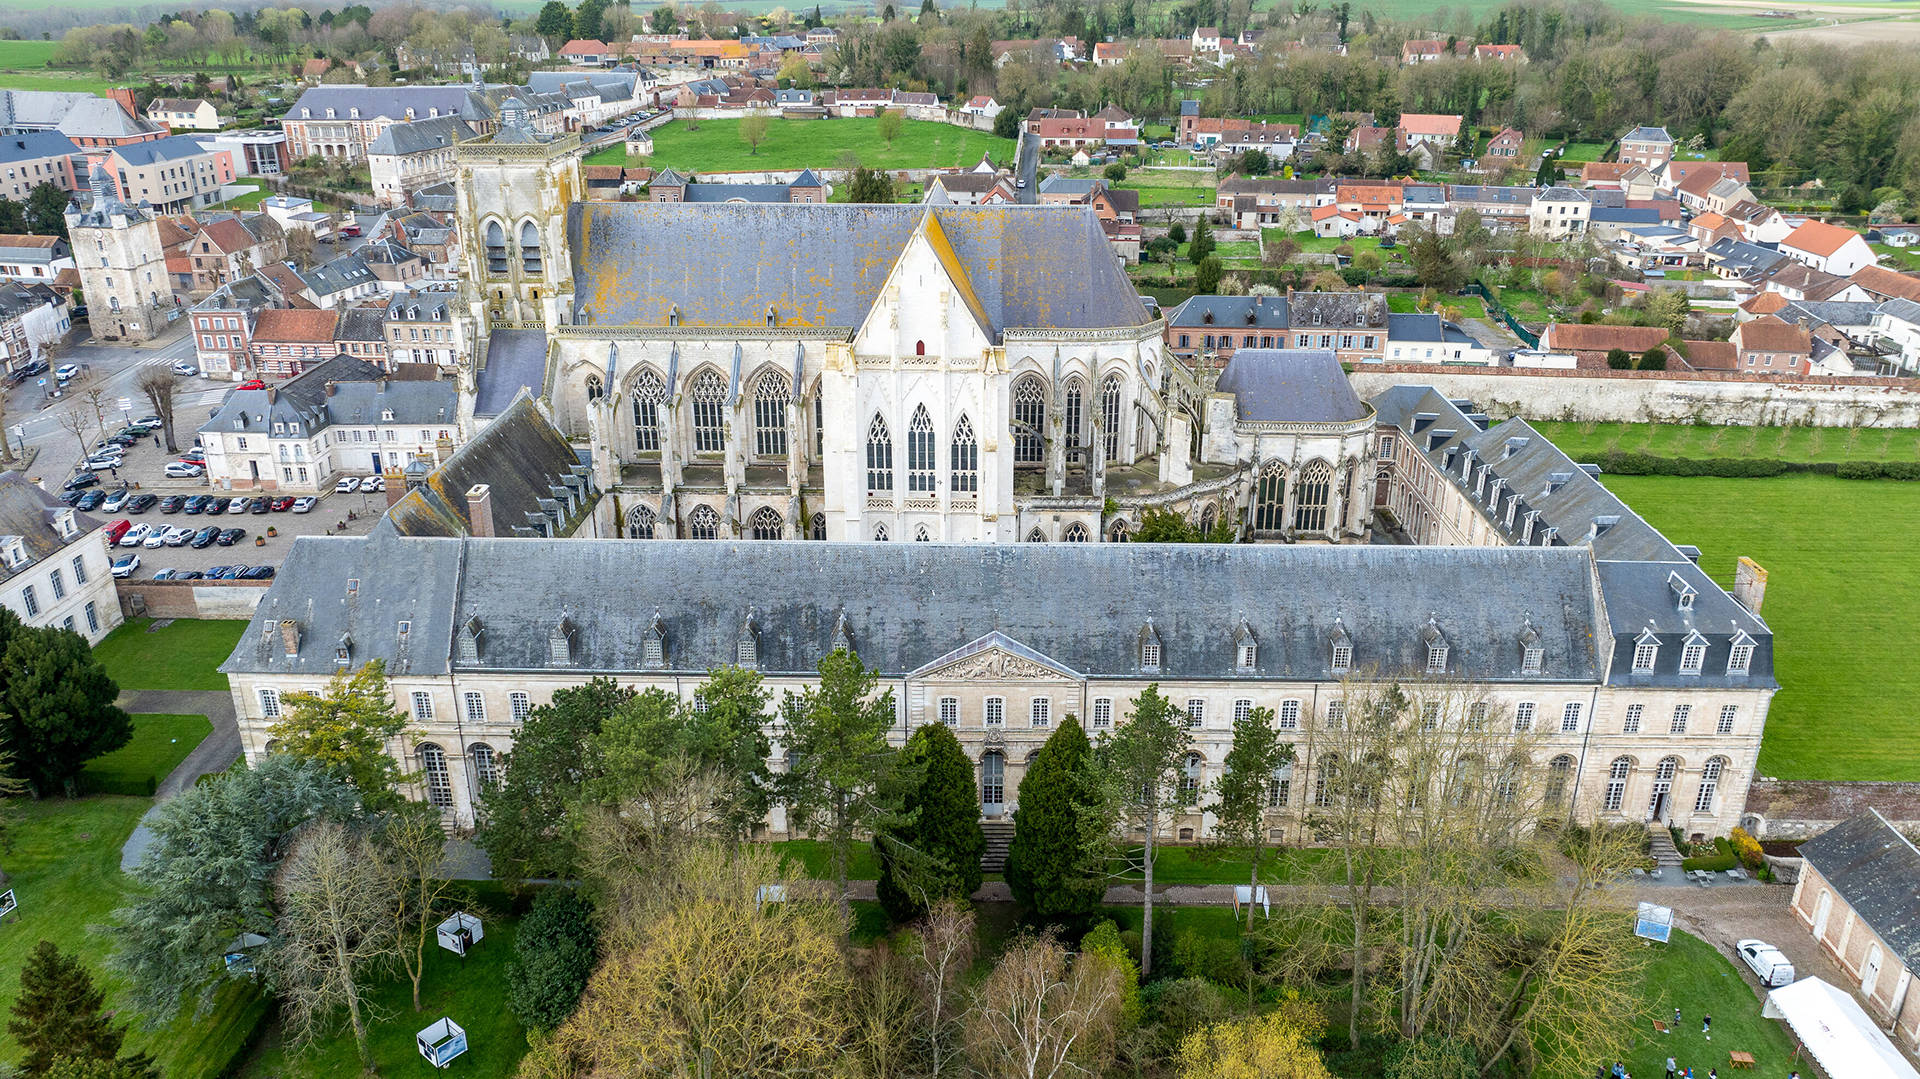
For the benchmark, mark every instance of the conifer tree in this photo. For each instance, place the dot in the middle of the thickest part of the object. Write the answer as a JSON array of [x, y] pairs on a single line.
[[59, 1013], [933, 849], [1053, 866]]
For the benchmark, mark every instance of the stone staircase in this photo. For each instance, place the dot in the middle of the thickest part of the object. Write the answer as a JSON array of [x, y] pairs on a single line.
[[999, 835], [1665, 854]]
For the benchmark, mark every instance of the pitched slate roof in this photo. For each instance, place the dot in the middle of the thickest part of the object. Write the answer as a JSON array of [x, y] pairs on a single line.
[[1290, 386], [37, 108], [521, 457], [32, 514], [1876, 870], [1647, 134], [516, 360], [97, 117], [31, 145], [421, 135], [340, 390], [821, 265]]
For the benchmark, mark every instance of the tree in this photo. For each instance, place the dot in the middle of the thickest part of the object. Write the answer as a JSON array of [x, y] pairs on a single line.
[[1653, 359], [889, 123], [529, 830], [587, 18], [753, 131], [1006, 124], [160, 384], [59, 1014], [1433, 260], [412, 846], [1277, 1045], [337, 921], [1145, 774], [1206, 276], [554, 952], [1115, 172], [1177, 232], [555, 23], [300, 245], [662, 19], [58, 704], [1054, 864], [1367, 261], [940, 962], [1328, 281], [1252, 766], [709, 983], [1040, 1015], [1280, 251], [836, 736], [1202, 243], [1668, 308], [208, 876], [870, 185], [349, 729], [47, 209], [931, 848], [1619, 359]]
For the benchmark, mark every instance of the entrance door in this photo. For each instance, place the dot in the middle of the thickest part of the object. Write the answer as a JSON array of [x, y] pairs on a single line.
[[1820, 912], [376, 464], [1660, 805], [1870, 972], [993, 785]]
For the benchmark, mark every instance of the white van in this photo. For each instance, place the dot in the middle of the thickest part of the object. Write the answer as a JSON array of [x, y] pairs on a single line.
[[1773, 968]]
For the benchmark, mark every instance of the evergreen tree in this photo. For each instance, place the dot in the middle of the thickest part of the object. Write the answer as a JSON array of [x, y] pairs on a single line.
[[1206, 276], [554, 953], [587, 18], [1053, 864], [57, 702], [47, 210], [932, 850], [59, 1013], [870, 185], [1202, 243], [555, 755], [555, 23], [836, 735]]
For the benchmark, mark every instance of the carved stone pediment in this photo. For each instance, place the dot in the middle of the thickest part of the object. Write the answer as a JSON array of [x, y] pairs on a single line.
[[994, 665]]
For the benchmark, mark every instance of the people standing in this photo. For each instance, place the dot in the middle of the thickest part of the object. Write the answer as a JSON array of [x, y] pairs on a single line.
[[1706, 1026], [1673, 1069], [1676, 1017]]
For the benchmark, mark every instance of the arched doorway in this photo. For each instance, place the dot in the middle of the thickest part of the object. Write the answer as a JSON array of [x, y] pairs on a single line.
[[1660, 801], [993, 784], [1821, 910]]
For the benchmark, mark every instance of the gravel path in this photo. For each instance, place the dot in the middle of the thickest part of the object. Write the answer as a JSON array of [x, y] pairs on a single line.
[[215, 753]]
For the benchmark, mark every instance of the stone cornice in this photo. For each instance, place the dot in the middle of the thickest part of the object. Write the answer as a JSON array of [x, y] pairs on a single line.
[[638, 332]]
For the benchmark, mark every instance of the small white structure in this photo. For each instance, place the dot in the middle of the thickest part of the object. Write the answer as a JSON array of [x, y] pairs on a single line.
[[459, 933], [1246, 893], [441, 1042], [239, 957], [1832, 1027], [7, 902], [1654, 922], [769, 893]]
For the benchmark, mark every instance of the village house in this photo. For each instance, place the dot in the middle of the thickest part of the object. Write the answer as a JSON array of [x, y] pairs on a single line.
[[33, 319], [1859, 894], [1828, 248], [407, 157], [1425, 51], [36, 259], [188, 114], [1649, 147], [231, 248], [55, 562], [1769, 346]]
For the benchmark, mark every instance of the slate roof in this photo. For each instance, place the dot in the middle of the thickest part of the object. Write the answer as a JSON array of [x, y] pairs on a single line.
[[1876, 870], [341, 390], [1829, 312], [1414, 326], [516, 360], [1231, 312], [337, 275], [1647, 134], [30, 513], [361, 324], [1519, 196], [379, 102], [421, 135], [1748, 258], [21, 247], [37, 108], [822, 265], [33, 145], [152, 151], [1274, 385], [1338, 310], [522, 458], [1903, 309], [907, 605], [97, 117]]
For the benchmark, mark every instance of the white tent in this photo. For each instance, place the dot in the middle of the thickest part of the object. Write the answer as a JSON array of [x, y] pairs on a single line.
[[1837, 1032]]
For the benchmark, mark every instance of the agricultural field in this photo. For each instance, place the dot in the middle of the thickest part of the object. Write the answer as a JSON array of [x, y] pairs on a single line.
[[1841, 621], [715, 146]]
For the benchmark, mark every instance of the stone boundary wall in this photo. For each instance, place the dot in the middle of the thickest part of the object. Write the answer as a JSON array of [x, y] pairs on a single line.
[[1712, 397], [190, 599], [1802, 809]]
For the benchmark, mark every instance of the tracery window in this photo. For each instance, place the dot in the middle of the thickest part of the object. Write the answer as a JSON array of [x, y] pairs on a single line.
[[703, 523], [648, 395], [1110, 415], [1311, 496], [964, 459], [921, 455], [1029, 421], [879, 458], [770, 394], [709, 414]]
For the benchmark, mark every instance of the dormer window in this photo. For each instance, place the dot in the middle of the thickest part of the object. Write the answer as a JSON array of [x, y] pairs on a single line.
[[842, 634], [746, 650], [653, 645], [560, 644], [1683, 593], [1646, 652], [468, 643], [1340, 645], [673, 315], [1532, 659], [1149, 647], [1437, 648], [1246, 650], [1693, 654], [1248, 653], [343, 651], [1740, 655]]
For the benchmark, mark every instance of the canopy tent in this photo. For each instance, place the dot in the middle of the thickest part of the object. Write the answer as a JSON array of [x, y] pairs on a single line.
[[1837, 1032]]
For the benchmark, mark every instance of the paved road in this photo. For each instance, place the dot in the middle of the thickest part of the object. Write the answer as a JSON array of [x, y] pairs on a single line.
[[216, 753], [1027, 171]]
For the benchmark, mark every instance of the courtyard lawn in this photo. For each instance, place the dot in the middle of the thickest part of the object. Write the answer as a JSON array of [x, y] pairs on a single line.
[[816, 858], [1842, 606], [183, 655], [792, 144], [249, 201], [160, 743], [1583, 151], [615, 154], [1409, 303], [1154, 194], [1687, 973], [1586, 441]]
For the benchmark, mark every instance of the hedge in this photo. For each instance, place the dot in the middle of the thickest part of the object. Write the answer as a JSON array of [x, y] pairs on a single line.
[[1719, 861], [1623, 463]]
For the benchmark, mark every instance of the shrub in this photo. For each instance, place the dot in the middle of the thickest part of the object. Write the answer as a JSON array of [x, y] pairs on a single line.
[[1216, 959], [1720, 860], [1619, 359], [1182, 1006], [1115, 172], [553, 956], [1748, 850]]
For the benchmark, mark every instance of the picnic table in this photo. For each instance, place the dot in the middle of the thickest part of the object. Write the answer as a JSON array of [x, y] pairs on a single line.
[[1738, 1059]]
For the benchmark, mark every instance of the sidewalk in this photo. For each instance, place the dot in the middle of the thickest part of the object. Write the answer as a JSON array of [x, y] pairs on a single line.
[[215, 753]]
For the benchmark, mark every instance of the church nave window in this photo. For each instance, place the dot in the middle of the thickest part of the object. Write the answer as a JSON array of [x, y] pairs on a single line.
[[964, 460], [921, 454], [770, 416], [709, 414]]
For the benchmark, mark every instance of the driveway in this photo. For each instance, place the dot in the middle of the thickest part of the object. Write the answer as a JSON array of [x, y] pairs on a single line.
[[215, 753]]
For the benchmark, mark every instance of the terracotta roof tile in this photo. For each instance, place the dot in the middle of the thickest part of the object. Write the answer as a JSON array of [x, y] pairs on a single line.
[[295, 325], [1818, 238], [1769, 334]]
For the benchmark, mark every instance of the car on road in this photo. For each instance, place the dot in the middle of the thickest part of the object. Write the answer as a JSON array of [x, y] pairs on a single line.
[[117, 500], [125, 565], [304, 504], [230, 536], [136, 535], [1766, 961], [66, 371], [350, 229], [197, 504], [282, 504], [90, 500], [347, 486], [178, 535], [172, 503], [101, 461], [184, 470], [251, 384], [184, 368], [141, 503], [81, 479], [205, 537], [256, 573], [116, 530]]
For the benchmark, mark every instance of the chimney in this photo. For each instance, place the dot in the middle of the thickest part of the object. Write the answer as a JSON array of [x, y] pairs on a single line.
[[480, 510], [1749, 584], [124, 95]]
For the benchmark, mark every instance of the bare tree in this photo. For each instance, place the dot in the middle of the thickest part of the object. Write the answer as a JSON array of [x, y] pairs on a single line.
[[1040, 1015], [414, 846], [753, 132], [160, 384], [336, 926], [75, 422], [940, 963]]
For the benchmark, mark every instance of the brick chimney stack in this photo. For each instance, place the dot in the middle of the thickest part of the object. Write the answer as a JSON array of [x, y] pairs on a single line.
[[1749, 583], [480, 510]]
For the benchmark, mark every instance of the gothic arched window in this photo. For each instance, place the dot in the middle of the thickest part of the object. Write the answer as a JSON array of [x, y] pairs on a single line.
[[921, 457], [703, 523], [709, 414], [648, 395], [879, 457], [964, 460], [770, 394], [1075, 533], [1110, 415], [767, 524], [595, 390], [529, 248], [1269, 499], [1029, 421], [1073, 413], [1311, 497], [496, 248], [640, 523]]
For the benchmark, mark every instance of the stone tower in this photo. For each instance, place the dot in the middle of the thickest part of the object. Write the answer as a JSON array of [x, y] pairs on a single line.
[[514, 188], [123, 267]]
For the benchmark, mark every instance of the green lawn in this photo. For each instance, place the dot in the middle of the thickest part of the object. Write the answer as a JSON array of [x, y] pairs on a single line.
[[1904, 259], [23, 54], [1586, 441], [615, 154], [65, 868], [250, 201], [53, 80], [1409, 303], [1689, 974], [1583, 151], [816, 858], [791, 144], [160, 743], [183, 655], [1841, 617], [1158, 194]]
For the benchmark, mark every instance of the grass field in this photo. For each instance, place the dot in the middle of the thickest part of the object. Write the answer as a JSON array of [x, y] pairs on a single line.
[[1687, 973], [160, 743], [1583, 151], [250, 201], [1409, 302], [25, 54], [1586, 441], [53, 80], [1842, 616], [793, 144], [183, 655]]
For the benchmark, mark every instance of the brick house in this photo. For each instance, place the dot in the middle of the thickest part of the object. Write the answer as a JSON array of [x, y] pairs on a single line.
[[1859, 893]]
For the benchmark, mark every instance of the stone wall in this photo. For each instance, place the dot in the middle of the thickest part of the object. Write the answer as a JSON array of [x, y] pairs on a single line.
[[191, 599], [1638, 396], [1802, 809]]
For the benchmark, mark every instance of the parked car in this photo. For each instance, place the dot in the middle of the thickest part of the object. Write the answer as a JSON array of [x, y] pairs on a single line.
[[183, 470], [282, 504], [117, 500], [256, 573], [116, 530], [1772, 967], [157, 537], [197, 504], [252, 384], [189, 575], [195, 456], [230, 573], [125, 565], [204, 537], [71, 497], [184, 368], [172, 503], [214, 572], [136, 535], [230, 536], [165, 574], [240, 505], [101, 461], [81, 479], [350, 230], [90, 500], [150, 420], [304, 504], [115, 442], [374, 483], [141, 503], [218, 504], [347, 486], [178, 535], [66, 371]]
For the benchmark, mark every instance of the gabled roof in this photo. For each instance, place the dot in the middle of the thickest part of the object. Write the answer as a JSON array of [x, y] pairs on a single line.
[[421, 135], [295, 326], [1234, 313], [1647, 134], [1876, 870], [1884, 282], [99, 118], [516, 360], [1290, 386], [1768, 334], [521, 457], [32, 514], [1818, 238], [1426, 123]]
